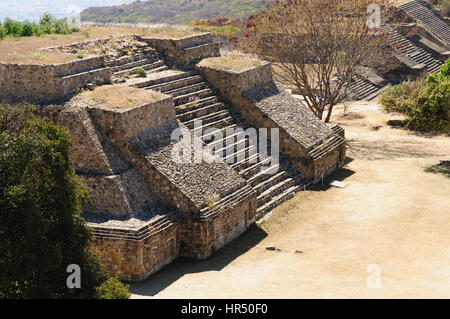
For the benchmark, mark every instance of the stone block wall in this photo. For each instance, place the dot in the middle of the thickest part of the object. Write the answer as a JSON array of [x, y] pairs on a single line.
[[47, 83], [266, 104], [330, 161], [87, 154], [185, 51], [121, 123], [137, 253], [216, 226]]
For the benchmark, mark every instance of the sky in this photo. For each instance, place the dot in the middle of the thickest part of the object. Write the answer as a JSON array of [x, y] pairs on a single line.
[[33, 9]]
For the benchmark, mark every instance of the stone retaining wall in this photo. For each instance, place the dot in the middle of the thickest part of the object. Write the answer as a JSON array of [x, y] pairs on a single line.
[[185, 51], [136, 254], [122, 123], [266, 104], [203, 235], [46, 83]]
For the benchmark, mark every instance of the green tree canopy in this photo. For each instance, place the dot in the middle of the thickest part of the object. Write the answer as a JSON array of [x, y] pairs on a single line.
[[41, 230]]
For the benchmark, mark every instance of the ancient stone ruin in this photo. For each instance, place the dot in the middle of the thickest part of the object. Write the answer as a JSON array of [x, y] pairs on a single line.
[[146, 208]]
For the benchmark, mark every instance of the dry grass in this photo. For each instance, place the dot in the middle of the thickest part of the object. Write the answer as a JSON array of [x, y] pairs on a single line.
[[118, 96], [40, 58], [169, 31], [24, 50], [236, 63]]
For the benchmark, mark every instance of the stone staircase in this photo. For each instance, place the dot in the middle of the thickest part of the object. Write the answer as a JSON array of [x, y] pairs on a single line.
[[201, 109], [407, 48], [434, 23], [362, 89], [128, 65]]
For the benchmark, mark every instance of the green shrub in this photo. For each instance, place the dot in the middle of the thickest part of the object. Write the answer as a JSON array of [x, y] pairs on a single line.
[[113, 288], [141, 73], [47, 25], [27, 29], [2, 32], [431, 111], [425, 103], [47, 19], [13, 28]]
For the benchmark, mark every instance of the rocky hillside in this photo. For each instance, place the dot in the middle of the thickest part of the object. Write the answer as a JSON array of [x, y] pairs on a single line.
[[173, 11]]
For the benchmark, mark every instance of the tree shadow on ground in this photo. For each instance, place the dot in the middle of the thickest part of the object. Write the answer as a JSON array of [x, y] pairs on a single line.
[[182, 266], [339, 175]]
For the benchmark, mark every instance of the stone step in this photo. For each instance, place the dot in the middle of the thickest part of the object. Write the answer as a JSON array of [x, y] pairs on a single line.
[[227, 139], [255, 168], [429, 19], [274, 190], [191, 97], [129, 65], [175, 84], [247, 162], [187, 89], [232, 147], [268, 181], [219, 124], [262, 175], [129, 59], [239, 155], [164, 79], [157, 66], [195, 105], [277, 200], [411, 50], [211, 117], [198, 113], [209, 135]]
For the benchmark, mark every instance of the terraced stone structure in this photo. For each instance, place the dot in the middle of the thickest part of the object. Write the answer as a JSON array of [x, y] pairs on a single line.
[[146, 206], [419, 47]]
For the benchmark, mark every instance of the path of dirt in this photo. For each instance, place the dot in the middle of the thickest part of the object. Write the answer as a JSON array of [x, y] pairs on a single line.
[[392, 215]]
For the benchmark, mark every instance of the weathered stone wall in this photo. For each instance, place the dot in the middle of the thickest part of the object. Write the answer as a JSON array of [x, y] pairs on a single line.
[[216, 226], [136, 254], [266, 104], [332, 160], [86, 154], [185, 51], [125, 194], [121, 123], [46, 83]]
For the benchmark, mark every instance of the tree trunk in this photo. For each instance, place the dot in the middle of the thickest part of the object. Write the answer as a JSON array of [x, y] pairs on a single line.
[[330, 110]]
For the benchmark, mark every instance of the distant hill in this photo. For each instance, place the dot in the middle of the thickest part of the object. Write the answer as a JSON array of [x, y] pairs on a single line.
[[172, 11]]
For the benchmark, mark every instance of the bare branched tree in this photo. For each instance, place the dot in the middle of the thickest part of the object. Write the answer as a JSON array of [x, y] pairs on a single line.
[[318, 45]]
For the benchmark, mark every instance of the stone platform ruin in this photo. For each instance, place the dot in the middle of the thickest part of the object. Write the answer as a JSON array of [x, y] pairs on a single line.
[[145, 208]]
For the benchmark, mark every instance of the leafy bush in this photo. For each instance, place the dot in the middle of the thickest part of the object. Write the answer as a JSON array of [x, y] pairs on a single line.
[[47, 18], [13, 28], [47, 25], [425, 103], [113, 288], [41, 230], [2, 32], [141, 73]]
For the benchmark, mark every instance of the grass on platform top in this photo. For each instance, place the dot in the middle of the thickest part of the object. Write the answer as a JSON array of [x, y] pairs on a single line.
[[236, 63], [26, 49], [119, 96]]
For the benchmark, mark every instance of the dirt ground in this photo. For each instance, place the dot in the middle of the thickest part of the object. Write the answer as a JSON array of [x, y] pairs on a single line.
[[392, 218]]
